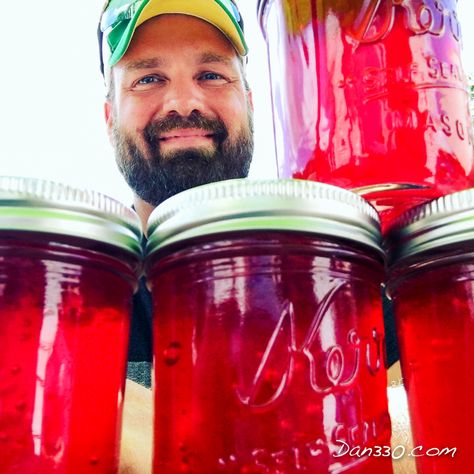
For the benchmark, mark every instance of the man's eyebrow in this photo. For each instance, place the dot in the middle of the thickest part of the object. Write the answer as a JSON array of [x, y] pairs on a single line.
[[207, 58], [148, 63]]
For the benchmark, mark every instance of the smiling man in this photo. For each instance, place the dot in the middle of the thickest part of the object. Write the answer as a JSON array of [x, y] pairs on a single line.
[[178, 110]]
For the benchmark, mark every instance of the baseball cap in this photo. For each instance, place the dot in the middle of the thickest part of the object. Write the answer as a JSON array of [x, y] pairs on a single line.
[[120, 19]]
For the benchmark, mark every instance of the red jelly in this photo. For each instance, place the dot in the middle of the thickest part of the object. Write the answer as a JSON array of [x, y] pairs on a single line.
[[268, 331], [371, 95], [68, 262], [431, 284]]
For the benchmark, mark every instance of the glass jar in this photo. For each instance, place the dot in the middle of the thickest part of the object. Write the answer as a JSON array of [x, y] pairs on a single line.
[[431, 285], [371, 96], [268, 330], [68, 267]]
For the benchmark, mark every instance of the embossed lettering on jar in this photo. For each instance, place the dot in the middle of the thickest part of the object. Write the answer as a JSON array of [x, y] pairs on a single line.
[[279, 330], [371, 95]]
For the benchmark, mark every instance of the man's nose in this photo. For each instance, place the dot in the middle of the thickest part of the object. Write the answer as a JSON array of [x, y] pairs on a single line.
[[183, 97]]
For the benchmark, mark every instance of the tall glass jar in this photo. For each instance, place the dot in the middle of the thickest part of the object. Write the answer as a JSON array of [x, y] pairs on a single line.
[[431, 283], [371, 96], [68, 267], [268, 330]]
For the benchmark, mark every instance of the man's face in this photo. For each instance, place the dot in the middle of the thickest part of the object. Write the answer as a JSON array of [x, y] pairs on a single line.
[[179, 114]]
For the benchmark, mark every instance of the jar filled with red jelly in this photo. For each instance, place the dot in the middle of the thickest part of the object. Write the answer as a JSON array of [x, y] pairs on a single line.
[[431, 283], [371, 95], [268, 330], [68, 269]]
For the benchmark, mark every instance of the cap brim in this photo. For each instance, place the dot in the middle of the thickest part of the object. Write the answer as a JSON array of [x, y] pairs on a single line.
[[211, 11]]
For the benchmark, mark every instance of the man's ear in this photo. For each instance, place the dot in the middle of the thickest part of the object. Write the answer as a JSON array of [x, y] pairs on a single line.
[[250, 99], [108, 118]]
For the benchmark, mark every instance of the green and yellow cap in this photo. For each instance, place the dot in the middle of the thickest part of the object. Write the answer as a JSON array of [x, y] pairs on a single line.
[[120, 19]]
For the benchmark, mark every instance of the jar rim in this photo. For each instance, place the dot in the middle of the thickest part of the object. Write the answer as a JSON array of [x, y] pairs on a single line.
[[278, 204], [437, 224], [37, 205]]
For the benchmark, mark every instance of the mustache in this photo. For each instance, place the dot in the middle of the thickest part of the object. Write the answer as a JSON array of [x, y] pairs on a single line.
[[214, 126]]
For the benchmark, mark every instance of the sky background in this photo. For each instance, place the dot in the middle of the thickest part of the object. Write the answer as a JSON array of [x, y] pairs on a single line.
[[52, 94]]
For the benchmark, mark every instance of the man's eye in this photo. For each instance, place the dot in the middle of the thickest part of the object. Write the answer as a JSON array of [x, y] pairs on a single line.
[[211, 76], [149, 80]]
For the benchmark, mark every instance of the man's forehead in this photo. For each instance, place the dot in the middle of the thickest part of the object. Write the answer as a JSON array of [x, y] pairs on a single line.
[[206, 57]]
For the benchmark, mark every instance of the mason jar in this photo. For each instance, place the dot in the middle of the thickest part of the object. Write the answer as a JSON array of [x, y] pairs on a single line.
[[371, 95], [431, 283], [268, 330], [68, 267]]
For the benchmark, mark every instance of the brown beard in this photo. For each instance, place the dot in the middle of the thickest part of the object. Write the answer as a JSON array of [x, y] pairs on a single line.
[[154, 176]]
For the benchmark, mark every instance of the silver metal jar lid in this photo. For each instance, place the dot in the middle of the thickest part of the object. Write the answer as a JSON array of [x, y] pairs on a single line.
[[243, 204], [439, 223], [35, 205]]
